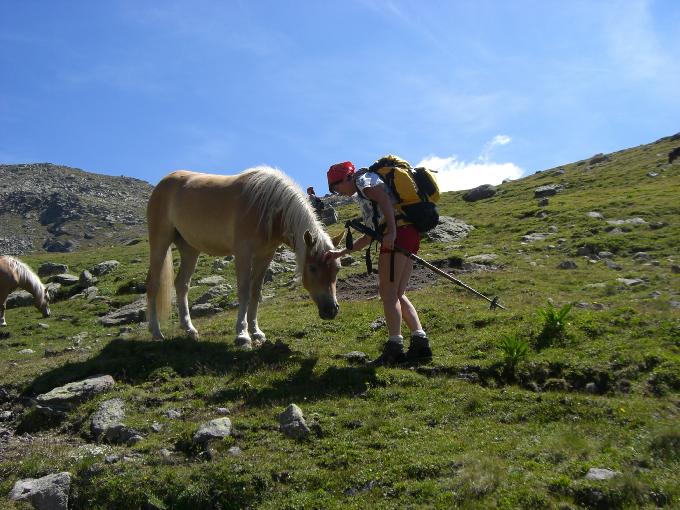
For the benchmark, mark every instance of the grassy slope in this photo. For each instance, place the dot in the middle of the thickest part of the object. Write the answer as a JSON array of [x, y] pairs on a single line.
[[459, 432]]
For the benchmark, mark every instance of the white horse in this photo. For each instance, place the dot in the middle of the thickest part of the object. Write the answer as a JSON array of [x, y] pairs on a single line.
[[246, 215], [15, 274]]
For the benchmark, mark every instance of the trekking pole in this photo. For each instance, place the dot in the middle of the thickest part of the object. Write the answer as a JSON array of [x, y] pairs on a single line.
[[357, 225]]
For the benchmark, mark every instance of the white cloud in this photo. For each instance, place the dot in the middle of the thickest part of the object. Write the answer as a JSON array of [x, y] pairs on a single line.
[[453, 175]]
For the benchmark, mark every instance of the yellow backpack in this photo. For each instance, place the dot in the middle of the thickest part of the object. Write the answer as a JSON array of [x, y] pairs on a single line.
[[415, 189]]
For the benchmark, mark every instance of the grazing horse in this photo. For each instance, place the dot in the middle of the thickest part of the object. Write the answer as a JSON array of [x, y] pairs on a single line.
[[246, 215], [14, 274]]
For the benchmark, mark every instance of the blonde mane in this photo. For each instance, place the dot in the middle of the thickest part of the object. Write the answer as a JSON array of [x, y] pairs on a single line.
[[272, 193], [28, 280]]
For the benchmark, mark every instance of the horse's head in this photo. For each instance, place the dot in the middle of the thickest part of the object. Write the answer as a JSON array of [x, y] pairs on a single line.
[[42, 302], [318, 277]]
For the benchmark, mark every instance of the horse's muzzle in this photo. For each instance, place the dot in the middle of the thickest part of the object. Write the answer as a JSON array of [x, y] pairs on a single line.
[[328, 311]]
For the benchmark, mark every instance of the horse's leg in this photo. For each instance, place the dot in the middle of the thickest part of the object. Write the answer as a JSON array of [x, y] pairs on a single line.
[[3, 299], [260, 265], [243, 261], [189, 258]]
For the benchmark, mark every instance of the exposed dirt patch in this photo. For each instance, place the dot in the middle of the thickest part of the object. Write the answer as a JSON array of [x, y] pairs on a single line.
[[365, 286]]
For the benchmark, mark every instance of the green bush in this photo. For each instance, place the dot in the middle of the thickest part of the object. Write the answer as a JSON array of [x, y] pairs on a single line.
[[554, 324], [515, 349]]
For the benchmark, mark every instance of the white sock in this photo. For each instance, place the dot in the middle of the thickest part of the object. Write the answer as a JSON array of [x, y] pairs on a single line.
[[397, 339], [419, 332]]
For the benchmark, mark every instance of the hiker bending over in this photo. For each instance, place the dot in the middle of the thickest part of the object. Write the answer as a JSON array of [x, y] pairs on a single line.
[[377, 207]]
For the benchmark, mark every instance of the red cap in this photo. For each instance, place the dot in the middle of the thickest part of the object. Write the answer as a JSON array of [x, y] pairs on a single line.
[[338, 172]]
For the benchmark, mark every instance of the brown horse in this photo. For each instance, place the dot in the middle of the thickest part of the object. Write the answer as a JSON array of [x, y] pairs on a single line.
[[15, 274], [246, 215]]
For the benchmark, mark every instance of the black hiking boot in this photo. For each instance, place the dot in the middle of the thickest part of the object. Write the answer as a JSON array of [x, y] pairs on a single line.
[[392, 354], [419, 350]]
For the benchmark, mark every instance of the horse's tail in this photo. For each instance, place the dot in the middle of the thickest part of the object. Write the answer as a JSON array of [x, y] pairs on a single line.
[[164, 294]]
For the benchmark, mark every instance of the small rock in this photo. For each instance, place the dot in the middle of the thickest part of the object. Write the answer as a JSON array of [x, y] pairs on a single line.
[[605, 254], [641, 256], [543, 202], [547, 191], [567, 264], [218, 428], [613, 265], [600, 474], [105, 267], [675, 269], [173, 414], [630, 282], [591, 387], [211, 280], [26, 351], [47, 493], [222, 410], [378, 323], [52, 268], [480, 193], [595, 215], [292, 422], [234, 451]]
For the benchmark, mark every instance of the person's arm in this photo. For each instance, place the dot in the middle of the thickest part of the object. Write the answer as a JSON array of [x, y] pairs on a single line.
[[380, 196], [359, 244]]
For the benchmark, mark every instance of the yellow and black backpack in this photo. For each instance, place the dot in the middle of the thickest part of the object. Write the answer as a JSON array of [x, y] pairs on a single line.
[[415, 189]]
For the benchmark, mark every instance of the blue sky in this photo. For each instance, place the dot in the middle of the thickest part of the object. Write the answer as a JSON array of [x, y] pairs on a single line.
[[482, 90]]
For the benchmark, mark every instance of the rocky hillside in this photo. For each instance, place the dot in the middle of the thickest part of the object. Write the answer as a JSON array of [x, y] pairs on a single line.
[[60, 209]]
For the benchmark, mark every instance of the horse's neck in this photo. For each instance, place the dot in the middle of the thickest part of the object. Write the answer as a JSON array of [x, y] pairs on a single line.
[[29, 283]]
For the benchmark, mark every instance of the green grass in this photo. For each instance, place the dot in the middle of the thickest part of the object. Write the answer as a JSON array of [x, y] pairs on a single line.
[[457, 433]]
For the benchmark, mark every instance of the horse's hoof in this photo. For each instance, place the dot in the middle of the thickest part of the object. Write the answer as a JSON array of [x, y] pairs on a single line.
[[244, 343], [158, 338], [193, 334]]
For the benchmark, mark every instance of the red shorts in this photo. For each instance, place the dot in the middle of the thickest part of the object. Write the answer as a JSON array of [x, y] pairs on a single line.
[[407, 237]]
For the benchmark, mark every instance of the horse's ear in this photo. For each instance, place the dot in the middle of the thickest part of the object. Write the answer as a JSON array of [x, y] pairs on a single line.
[[309, 240], [338, 239]]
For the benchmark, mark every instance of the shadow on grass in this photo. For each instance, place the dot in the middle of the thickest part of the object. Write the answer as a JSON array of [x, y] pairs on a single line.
[[305, 384], [134, 361]]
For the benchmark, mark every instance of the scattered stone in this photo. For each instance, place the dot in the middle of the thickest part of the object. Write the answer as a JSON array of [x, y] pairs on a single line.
[[655, 294], [641, 256], [156, 427], [543, 202], [483, 258], [567, 264], [674, 304], [64, 279], [105, 267], [630, 221], [86, 279], [354, 357], [657, 225], [652, 174], [480, 193], [218, 428], [52, 268], [605, 254], [630, 282], [173, 414], [26, 351], [378, 323], [535, 236], [19, 298], [449, 230], [675, 269], [220, 292], [220, 264], [222, 410], [292, 422], [204, 310], [547, 191], [211, 280], [600, 474], [234, 451], [591, 387], [596, 215], [110, 413], [47, 493], [132, 313], [59, 246], [598, 158], [66, 397], [613, 265]]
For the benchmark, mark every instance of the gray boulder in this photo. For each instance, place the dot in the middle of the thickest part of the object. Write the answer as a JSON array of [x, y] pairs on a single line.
[[600, 474], [218, 292], [204, 310], [218, 428], [47, 493], [65, 397], [110, 413], [547, 191], [292, 422], [449, 230], [105, 267], [567, 264], [480, 193], [211, 280], [128, 314], [64, 279], [19, 298], [51, 268]]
